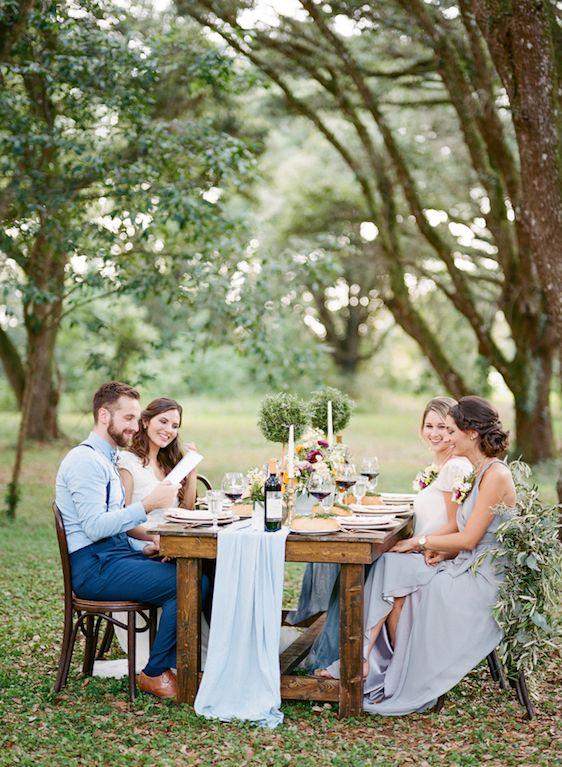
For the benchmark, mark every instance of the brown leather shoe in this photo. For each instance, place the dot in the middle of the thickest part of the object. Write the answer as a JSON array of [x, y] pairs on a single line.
[[164, 686]]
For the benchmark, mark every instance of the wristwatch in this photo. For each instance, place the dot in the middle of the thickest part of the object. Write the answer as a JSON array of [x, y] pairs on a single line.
[[422, 540]]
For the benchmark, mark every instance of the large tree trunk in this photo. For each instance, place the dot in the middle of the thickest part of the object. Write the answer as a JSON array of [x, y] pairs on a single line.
[[533, 422], [42, 422], [522, 38], [42, 322]]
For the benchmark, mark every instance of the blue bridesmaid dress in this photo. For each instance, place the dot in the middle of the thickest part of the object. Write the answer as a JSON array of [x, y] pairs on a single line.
[[446, 626]]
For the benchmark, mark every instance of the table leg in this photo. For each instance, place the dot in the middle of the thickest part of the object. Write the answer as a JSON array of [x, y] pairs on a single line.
[[351, 640], [188, 628]]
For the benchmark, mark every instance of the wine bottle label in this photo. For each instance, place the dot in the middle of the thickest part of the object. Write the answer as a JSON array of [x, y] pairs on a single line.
[[273, 506]]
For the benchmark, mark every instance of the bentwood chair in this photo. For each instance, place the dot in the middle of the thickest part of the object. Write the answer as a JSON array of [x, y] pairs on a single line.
[[202, 480], [87, 615]]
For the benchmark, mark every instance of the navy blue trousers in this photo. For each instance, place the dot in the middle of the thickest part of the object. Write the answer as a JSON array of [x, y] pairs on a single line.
[[110, 570]]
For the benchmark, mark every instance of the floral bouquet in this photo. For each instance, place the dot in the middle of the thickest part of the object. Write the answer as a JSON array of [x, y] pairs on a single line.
[[426, 477], [462, 488], [256, 480], [312, 454]]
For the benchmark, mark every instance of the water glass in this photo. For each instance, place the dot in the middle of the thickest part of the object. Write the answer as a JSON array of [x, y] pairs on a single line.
[[360, 488], [214, 503]]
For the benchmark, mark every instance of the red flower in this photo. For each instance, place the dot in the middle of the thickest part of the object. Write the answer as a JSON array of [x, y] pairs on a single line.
[[313, 456]]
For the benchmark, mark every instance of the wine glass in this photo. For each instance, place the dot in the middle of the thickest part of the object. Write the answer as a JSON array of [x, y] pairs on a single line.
[[321, 486], [346, 477], [370, 470], [360, 488], [233, 485]]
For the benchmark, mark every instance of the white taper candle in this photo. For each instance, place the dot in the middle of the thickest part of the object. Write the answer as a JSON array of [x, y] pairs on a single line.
[[291, 453], [330, 434]]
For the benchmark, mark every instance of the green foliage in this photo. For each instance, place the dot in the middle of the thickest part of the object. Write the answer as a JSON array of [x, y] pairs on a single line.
[[528, 606], [278, 412], [109, 149], [342, 406]]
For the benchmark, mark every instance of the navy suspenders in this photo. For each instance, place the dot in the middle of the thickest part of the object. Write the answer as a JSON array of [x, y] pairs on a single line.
[[108, 487]]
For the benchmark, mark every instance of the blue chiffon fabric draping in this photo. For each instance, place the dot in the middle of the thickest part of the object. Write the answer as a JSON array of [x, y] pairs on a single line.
[[242, 676]]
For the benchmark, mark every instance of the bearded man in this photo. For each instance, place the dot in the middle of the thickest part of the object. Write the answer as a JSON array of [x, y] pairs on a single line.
[[90, 496]]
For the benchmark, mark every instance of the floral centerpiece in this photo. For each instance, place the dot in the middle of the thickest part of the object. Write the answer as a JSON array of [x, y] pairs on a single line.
[[312, 454]]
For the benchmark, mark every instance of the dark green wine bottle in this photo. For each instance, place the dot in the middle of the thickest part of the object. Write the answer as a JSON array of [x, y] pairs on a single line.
[[273, 500]]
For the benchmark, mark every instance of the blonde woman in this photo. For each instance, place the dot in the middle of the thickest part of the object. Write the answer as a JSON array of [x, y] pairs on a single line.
[[434, 511]]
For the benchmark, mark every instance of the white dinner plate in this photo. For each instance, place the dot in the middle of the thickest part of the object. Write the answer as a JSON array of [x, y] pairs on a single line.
[[365, 522], [358, 508], [202, 516], [398, 497], [312, 532], [375, 527]]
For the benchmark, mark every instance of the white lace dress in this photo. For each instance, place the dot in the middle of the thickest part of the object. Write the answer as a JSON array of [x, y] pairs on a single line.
[[430, 512]]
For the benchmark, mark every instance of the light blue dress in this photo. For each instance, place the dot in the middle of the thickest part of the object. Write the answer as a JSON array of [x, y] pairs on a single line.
[[446, 626], [320, 586]]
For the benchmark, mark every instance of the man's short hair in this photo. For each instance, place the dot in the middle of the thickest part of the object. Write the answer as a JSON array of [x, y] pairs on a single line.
[[109, 393]]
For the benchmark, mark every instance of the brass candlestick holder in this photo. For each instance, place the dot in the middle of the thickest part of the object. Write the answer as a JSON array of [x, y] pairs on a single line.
[[290, 501]]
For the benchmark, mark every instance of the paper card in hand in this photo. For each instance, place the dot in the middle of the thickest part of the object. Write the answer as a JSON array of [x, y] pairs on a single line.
[[183, 467]]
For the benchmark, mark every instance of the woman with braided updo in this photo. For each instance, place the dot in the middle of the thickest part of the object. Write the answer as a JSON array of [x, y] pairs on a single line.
[[446, 626]]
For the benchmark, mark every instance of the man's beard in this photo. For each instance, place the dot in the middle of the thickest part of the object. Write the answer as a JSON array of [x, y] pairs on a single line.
[[121, 438]]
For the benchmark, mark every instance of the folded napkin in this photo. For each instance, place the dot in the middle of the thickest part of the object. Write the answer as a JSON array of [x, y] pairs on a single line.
[[242, 677]]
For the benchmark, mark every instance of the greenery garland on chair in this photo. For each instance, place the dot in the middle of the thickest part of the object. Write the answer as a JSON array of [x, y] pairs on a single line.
[[528, 606]]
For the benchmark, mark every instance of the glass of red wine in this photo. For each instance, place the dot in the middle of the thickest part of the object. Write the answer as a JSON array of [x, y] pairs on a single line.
[[370, 469], [321, 486], [233, 485], [346, 477]]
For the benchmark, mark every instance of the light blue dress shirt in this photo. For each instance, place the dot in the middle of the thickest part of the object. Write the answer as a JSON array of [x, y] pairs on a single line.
[[81, 494]]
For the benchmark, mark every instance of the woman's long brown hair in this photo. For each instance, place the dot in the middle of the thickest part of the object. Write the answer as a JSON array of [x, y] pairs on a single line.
[[167, 456]]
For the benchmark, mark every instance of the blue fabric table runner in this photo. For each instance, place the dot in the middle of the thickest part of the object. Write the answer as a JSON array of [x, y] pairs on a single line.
[[242, 677]]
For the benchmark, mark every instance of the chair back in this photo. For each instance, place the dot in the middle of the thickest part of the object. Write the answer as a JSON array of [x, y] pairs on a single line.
[[64, 555], [205, 482]]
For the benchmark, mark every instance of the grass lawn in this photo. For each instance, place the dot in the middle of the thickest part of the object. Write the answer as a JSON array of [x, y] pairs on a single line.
[[91, 721]]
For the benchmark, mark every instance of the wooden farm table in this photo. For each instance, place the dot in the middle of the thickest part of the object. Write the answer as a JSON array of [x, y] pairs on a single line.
[[352, 552]]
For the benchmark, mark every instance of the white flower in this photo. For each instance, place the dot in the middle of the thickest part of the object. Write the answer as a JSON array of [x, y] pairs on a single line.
[[426, 477]]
